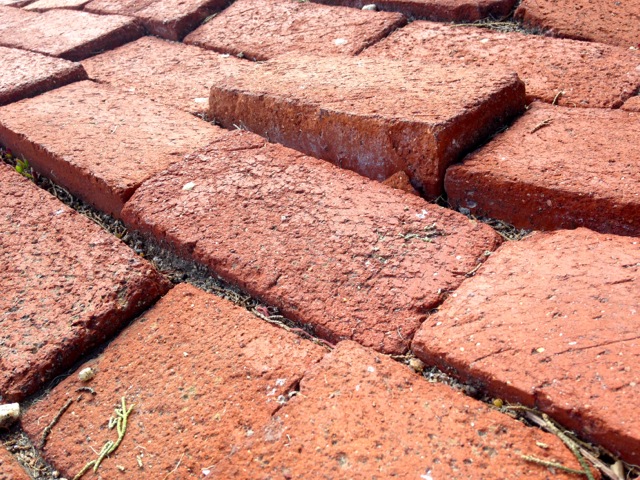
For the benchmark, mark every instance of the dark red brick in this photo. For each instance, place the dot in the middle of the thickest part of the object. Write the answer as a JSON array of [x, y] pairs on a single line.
[[170, 19], [633, 104], [67, 286], [587, 74], [99, 143], [260, 30], [26, 74], [65, 33], [202, 374], [440, 10], [44, 5], [167, 72], [322, 244], [374, 116], [556, 168], [10, 469], [551, 322], [362, 415], [616, 23]]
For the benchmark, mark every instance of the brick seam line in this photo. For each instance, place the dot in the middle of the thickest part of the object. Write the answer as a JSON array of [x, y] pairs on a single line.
[[190, 272]]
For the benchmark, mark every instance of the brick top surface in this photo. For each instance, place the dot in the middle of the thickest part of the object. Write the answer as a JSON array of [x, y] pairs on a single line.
[[168, 72], [202, 375], [345, 255], [43, 5], [552, 322], [362, 415], [632, 105], [65, 33], [26, 74], [589, 74], [260, 30], [10, 469], [67, 285]]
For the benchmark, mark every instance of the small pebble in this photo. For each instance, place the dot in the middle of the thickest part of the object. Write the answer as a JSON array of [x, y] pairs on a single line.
[[86, 374], [416, 364], [371, 6], [9, 413]]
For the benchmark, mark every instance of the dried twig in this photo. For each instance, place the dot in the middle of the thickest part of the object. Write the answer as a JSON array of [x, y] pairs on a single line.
[[55, 420]]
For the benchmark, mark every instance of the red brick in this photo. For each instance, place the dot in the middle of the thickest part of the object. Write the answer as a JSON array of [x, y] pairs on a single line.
[[202, 374], [440, 10], [633, 104], [322, 244], [260, 30], [616, 23], [44, 5], [551, 322], [556, 168], [400, 181], [588, 74], [99, 143], [362, 415], [14, 3], [168, 72], [10, 469], [65, 33], [374, 116], [170, 19], [26, 74], [67, 286]]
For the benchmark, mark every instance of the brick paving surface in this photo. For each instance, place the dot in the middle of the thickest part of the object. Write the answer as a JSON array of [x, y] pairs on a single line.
[[551, 322], [569, 72], [10, 469], [633, 104], [65, 33], [26, 74], [578, 176], [44, 5], [260, 30], [67, 286]]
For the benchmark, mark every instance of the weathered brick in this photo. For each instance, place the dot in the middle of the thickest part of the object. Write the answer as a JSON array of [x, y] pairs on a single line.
[[344, 255], [569, 72], [633, 104], [10, 469], [26, 74], [167, 72], [556, 168], [44, 5], [15, 3], [260, 30], [202, 376], [551, 322], [374, 116], [170, 19], [616, 23], [362, 415], [440, 10], [65, 33], [67, 286], [99, 143]]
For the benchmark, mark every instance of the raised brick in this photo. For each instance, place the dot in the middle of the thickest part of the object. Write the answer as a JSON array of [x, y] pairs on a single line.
[[260, 30], [10, 469], [202, 374], [616, 23], [344, 255], [99, 143], [362, 415], [26, 74], [440, 10], [556, 168], [168, 72], [65, 33], [633, 104], [170, 19], [374, 116], [551, 322], [44, 5], [67, 286], [588, 74]]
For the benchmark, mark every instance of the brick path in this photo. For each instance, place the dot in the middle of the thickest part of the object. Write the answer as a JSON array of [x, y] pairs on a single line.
[[349, 288]]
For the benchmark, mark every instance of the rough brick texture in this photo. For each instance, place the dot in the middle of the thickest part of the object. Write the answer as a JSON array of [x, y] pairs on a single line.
[[44, 5], [26, 74], [260, 30], [632, 105], [616, 23], [572, 73], [14, 3], [374, 116], [170, 19], [362, 415], [167, 72], [202, 374], [347, 256], [557, 168], [65, 33], [551, 322], [10, 469], [99, 143], [440, 10], [67, 286]]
